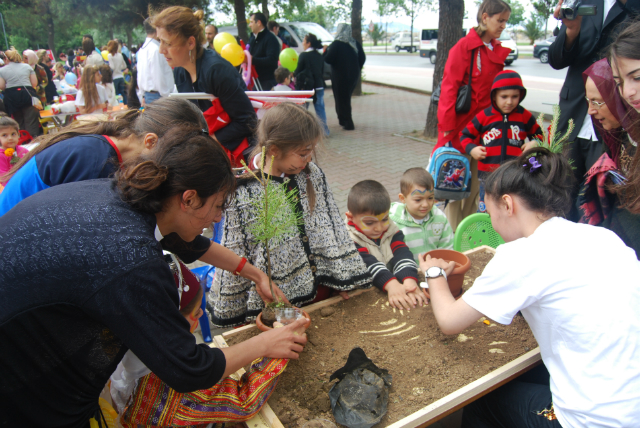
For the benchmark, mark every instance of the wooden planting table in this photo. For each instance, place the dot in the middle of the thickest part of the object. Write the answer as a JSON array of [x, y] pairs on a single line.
[[433, 375]]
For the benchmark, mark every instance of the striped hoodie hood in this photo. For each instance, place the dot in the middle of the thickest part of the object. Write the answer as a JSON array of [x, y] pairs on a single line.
[[507, 79]]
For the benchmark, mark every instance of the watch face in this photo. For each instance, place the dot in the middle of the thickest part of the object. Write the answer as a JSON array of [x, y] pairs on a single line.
[[433, 272]]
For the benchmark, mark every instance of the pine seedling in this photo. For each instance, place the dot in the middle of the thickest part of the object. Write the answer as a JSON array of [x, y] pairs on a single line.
[[552, 139], [277, 215]]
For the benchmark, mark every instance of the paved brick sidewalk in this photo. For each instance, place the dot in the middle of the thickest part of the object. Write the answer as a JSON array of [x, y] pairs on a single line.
[[371, 151]]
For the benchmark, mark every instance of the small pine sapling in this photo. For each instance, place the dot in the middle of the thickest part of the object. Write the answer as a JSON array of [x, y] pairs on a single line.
[[277, 215], [552, 139]]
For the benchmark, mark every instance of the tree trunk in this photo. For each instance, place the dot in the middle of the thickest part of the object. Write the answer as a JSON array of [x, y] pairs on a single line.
[[265, 8], [450, 31], [51, 33], [129, 33], [241, 19], [411, 34], [356, 32]]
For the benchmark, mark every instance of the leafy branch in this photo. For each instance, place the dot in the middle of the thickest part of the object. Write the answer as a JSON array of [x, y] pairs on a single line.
[[277, 216]]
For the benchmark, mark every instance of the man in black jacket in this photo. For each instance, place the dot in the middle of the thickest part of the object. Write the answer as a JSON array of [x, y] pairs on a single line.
[[264, 49], [580, 43]]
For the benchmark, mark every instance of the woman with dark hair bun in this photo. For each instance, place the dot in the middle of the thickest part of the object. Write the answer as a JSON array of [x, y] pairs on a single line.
[[558, 274], [91, 282]]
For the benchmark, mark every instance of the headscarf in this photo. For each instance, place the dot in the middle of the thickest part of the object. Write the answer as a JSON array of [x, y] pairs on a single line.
[[344, 35], [31, 56], [600, 73]]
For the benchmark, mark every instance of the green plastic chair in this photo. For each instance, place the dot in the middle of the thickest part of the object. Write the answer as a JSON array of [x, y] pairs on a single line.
[[475, 231]]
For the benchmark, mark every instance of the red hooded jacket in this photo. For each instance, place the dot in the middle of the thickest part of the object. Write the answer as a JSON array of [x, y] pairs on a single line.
[[456, 74]]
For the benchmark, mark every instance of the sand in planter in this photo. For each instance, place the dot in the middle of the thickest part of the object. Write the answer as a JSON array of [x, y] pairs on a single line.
[[426, 365]]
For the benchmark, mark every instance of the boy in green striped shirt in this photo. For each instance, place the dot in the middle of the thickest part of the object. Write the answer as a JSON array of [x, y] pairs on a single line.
[[424, 225]]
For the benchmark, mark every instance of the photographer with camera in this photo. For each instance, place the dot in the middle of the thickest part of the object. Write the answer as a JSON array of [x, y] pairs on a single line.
[[588, 28]]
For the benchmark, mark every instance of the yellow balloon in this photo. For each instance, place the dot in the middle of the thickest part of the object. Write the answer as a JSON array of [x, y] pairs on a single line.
[[105, 55], [223, 39], [233, 53]]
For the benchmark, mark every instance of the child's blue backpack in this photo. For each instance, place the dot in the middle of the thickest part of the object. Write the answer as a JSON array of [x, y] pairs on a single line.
[[451, 174]]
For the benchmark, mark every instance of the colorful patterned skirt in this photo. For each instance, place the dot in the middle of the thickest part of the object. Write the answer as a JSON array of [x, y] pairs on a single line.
[[154, 403]]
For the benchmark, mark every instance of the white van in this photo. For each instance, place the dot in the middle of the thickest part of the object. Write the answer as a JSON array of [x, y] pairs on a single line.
[[429, 44], [402, 41]]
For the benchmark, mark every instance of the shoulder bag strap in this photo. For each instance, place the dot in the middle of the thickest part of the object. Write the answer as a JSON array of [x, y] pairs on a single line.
[[473, 57]]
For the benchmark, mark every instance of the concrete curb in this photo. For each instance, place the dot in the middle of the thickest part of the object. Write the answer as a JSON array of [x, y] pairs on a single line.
[[422, 92]]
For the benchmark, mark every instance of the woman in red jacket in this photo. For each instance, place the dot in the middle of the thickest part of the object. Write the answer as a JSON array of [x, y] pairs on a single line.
[[488, 60]]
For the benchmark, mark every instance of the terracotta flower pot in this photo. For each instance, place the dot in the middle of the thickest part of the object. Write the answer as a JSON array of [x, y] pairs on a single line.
[[463, 264], [263, 327]]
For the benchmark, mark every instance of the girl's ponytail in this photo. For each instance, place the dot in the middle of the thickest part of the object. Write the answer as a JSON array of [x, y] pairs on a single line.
[[541, 179]]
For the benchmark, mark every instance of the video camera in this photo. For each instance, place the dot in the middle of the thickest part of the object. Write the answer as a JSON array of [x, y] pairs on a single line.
[[571, 9]]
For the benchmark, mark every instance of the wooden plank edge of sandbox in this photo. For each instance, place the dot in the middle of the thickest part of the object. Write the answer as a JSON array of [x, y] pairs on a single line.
[[336, 299], [266, 417], [476, 389]]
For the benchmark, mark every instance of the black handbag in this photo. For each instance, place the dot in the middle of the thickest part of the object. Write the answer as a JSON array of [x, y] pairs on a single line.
[[463, 102]]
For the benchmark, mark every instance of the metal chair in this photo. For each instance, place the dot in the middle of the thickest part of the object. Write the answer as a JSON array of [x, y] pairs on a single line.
[[475, 231]]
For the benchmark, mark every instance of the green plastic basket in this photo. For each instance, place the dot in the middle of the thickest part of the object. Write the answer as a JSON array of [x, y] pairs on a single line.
[[475, 231]]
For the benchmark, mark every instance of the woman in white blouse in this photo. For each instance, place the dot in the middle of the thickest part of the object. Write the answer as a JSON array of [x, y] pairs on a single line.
[[118, 68]]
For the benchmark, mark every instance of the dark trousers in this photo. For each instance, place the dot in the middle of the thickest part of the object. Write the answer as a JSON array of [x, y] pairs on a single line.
[[583, 153], [267, 84], [120, 88], [515, 404], [342, 90], [29, 119]]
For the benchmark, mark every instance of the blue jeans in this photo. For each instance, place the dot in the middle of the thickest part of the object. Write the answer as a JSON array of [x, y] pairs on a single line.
[[121, 88], [150, 97], [318, 104]]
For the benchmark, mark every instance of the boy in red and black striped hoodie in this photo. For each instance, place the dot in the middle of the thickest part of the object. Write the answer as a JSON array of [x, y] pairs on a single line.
[[497, 134]]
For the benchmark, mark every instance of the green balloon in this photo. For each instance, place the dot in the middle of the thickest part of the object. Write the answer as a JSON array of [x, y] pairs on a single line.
[[289, 59]]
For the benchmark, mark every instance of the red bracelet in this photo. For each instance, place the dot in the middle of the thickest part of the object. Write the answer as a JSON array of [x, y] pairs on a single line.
[[243, 261]]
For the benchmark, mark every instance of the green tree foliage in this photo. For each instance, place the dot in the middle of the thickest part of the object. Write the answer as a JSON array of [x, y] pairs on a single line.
[[411, 9], [533, 29], [377, 34], [517, 13], [60, 24], [544, 9]]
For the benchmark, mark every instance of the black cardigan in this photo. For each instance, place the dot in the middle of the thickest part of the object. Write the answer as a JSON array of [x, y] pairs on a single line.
[[313, 62], [218, 77], [264, 50], [83, 280]]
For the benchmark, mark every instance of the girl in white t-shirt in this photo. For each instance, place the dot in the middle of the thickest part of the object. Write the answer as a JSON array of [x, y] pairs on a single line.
[[577, 287], [91, 97]]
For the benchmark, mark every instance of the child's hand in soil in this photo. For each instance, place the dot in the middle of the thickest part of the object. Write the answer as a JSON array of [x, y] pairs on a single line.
[[414, 292], [285, 342], [479, 153], [398, 296]]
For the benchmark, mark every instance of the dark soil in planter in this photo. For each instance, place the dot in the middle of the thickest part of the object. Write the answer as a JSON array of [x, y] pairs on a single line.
[[426, 365], [269, 313]]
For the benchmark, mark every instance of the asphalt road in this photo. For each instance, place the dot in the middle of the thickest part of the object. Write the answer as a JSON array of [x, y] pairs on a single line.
[[542, 82], [524, 66]]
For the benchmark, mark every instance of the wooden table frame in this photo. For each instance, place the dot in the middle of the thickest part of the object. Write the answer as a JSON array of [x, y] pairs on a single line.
[[266, 418]]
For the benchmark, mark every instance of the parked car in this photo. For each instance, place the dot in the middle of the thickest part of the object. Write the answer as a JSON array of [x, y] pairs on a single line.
[[293, 34], [508, 42], [402, 41], [429, 44], [541, 49]]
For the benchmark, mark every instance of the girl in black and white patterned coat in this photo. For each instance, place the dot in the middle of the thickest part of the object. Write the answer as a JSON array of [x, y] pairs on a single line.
[[308, 266]]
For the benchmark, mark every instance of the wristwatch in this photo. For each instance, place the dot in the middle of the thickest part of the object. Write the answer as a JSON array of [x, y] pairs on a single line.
[[434, 272]]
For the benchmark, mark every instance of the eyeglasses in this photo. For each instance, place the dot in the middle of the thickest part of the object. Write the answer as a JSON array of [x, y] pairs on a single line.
[[595, 104]]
